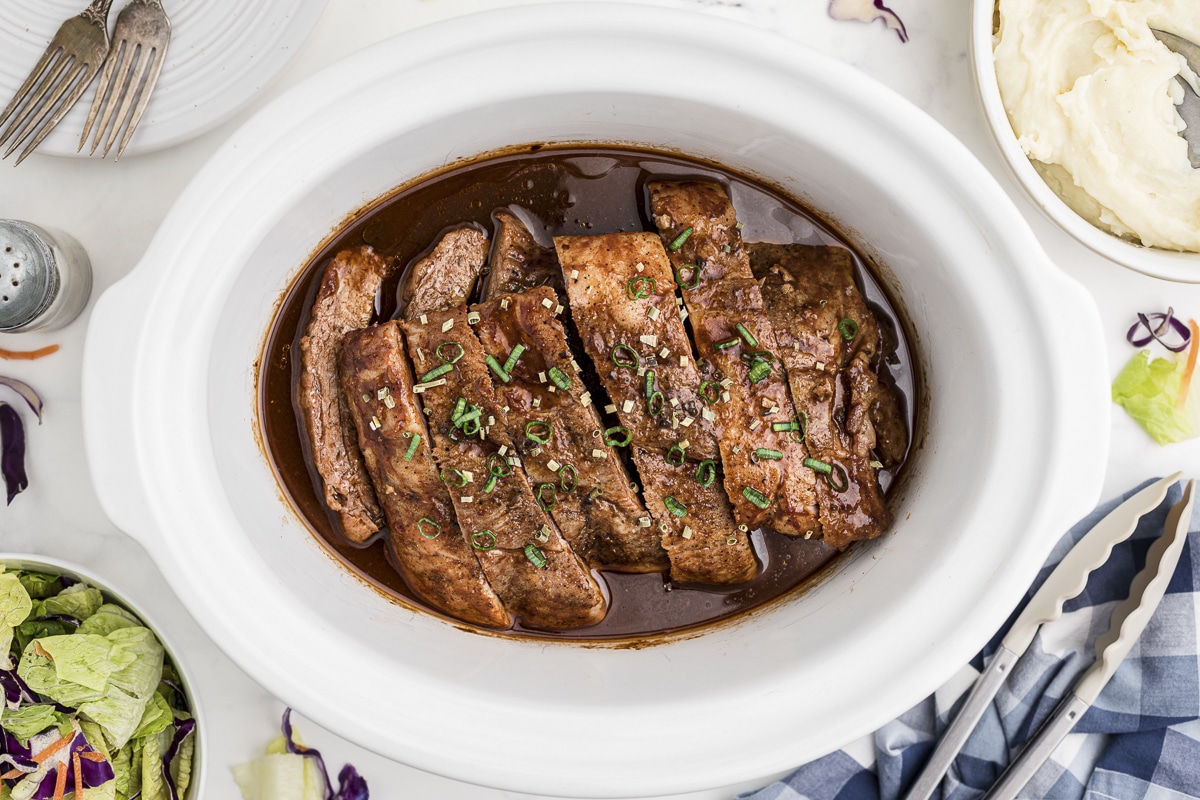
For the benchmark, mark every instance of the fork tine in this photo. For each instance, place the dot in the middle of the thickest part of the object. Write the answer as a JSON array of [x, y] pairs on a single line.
[[155, 63], [113, 66], [129, 83], [43, 62], [51, 80], [77, 84]]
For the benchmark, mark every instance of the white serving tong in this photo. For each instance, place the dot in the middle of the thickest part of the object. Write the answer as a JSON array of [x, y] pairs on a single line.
[[1066, 581]]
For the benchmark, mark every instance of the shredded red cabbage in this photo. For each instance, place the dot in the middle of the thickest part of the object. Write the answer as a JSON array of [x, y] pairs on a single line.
[[182, 732], [867, 11], [351, 785], [27, 394], [12, 451], [1164, 328]]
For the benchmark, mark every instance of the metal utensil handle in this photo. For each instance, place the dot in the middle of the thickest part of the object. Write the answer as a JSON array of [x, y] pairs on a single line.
[[986, 686], [1038, 749]]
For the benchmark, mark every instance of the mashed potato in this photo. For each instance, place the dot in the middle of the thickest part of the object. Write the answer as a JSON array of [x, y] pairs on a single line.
[[1091, 95]]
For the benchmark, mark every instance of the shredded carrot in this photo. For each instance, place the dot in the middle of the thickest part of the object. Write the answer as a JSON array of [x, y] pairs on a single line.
[[54, 748], [28, 355], [37, 648], [78, 765], [12, 773], [93, 755], [1186, 383], [60, 785]]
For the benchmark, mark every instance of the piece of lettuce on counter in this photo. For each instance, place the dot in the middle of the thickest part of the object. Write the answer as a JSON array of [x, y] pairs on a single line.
[[1157, 393], [291, 771]]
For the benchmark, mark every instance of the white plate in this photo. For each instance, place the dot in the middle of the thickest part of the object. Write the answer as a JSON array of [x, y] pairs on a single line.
[[222, 53]]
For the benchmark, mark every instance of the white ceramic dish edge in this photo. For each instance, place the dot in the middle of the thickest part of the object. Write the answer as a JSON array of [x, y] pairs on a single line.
[[120, 472], [1157, 263]]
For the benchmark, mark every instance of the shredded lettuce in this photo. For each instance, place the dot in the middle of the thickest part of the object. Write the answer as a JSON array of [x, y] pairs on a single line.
[[1149, 389], [290, 771]]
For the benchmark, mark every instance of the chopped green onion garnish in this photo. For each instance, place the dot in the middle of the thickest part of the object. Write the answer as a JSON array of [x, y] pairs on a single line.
[[848, 328], [655, 405], [625, 356], [706, 473], [785, 426], [759, 371], [453, 473], [436, 373], [535, 556], [676, 508], [678, 241], [801, 430], [483, 540], [843, 482], [618, 436], [568, 478], [746, 335], [818, 466], [471, 426], [756, 497], [758, 355], [548, 502], [498, 369], [510, 363], [688, 276], [460, 407], [710, 391], [559, 378], [676, 456], [450, 356], [538, 430], [498, 466], [413, 444], [725, 344], [491, 484], [425, 522], [640, 286], [767, 454], [650, 374]]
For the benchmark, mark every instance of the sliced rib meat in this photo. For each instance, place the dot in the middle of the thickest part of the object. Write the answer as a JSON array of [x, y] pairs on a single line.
[[805, 290], [623, 302], [526, 560], [434, 556], [345, 301], [594, 506], [752, 406], [446, 276], [517, 261]]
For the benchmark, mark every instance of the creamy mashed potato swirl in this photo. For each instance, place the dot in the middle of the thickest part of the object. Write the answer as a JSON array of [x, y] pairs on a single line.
[[1091, 95]]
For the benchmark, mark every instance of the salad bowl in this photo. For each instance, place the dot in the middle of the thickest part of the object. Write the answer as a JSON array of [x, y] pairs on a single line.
[[1007, 346]]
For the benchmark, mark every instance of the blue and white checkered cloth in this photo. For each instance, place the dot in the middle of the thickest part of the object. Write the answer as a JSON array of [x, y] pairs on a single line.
[[1140, 741]]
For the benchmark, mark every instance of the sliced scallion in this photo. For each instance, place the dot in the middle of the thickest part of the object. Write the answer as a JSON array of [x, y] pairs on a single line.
[[497, 368], [848, 328], [490, 486], [483, 540], [514, 356], [706, 472], [676, 456], [640, 286], [617, 436], [568, 478], [535, 556], [625, 356], [746, 335], [710, 392], [843, 481], [436, 373], [547, 496], [498, 466], [818, 466], [758, 355], [678, 241], [655, 405], [767, 454], [413, 444], [756, 497], [447, 474], [538, 430], [460, 407], [452, 355], [425, 524], [559, 378], [676, 508], [650, 375], [725, 344], [688, 276], [759, 371]]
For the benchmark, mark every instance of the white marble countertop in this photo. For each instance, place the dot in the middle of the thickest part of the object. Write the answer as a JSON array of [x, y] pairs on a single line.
[[115, 208]]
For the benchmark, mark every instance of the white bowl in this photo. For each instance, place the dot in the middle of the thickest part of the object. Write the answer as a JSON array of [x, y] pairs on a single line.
[[1011, 451], [1167, 264], [57, 566]]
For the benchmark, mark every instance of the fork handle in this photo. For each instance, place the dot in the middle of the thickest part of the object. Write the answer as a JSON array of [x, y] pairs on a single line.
[[97, 13]]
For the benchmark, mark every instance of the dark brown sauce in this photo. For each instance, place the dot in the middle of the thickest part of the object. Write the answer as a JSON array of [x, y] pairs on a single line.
[[556, 191]]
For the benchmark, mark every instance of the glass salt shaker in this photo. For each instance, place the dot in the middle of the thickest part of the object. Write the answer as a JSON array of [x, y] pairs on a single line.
[[45, 277]]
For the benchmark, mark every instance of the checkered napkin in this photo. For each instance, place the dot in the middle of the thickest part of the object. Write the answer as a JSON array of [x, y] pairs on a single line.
[[1139, 741]]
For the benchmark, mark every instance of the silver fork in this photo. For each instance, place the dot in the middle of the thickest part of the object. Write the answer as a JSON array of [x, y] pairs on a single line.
[[58, 80], [139, 46]]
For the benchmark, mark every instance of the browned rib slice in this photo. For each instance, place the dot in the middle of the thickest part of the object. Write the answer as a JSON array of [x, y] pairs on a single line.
[[345, 302], [601, 517], [804, 289], [557, 594], [704, 544], [518, 262], [444, 278], [435, 557], [726, 296]]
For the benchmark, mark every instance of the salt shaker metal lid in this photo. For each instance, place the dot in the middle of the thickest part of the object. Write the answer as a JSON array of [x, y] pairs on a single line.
[[45, 277]]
